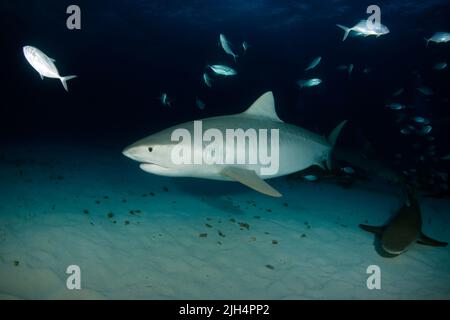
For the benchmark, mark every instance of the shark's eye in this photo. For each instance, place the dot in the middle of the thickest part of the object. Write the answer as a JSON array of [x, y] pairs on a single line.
[[150, 149]]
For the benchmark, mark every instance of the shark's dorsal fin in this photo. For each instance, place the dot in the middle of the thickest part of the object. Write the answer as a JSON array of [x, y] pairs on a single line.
[[264, 107], [250, 179]]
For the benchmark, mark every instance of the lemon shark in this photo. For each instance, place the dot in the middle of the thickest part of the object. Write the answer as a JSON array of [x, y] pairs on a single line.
[[295, 148], [403, 230]]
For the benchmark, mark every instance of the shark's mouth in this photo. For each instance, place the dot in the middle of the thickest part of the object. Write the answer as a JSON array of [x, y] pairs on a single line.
[[150, 166], [393, 252]]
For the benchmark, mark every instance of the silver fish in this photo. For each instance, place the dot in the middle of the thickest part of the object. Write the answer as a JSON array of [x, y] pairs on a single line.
[[226, 46], [200, 104], [44, 65], [223, 70], [405, 131], [364, 28], [207, 80], [348, 68], [421, 120], [396, 106], [425, 90], [309, 83], [348, 170], [165, 100], [398, 92], [245, 46], [439, 37], [426, 130], [314, 63], [440, 66], [310, 178]]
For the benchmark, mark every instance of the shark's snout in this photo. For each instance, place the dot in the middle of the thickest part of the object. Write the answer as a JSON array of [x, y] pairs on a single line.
[[131, 153], [126, 152], [137, 153], [390, 252]]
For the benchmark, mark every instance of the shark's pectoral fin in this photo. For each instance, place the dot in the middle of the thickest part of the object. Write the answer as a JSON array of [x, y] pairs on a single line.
[[372, 229], [423, 239], [42, 77], [251, 180]]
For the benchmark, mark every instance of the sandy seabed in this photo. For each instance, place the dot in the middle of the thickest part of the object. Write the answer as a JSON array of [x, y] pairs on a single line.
[[140, 236]]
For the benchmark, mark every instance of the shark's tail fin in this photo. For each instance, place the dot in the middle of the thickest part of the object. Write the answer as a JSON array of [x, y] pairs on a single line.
[[332, 140], [64, 81], [427, 41], [410, 195], [346, 31], [335, 133]]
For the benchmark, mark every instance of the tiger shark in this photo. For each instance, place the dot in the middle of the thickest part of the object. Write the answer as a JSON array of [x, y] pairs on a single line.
[[292, 148]]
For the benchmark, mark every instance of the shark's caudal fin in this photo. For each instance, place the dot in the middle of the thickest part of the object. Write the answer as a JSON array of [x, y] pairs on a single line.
[[251, 180], [264, 107], [332, 140], [335, 133], [64, 81], [427, 41], [347, 31]]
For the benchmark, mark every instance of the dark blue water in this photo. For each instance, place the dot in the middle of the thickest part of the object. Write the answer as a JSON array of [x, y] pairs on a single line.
[[127, 54]]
